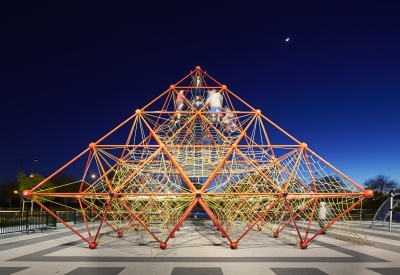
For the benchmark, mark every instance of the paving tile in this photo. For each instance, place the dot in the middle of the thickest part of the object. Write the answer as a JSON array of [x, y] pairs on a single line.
[[298, 271], [10, 270], [386, 271], [96, 271], [197, 271]]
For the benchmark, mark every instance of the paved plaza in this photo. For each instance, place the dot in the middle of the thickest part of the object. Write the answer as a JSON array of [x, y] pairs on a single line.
[[197, 249]]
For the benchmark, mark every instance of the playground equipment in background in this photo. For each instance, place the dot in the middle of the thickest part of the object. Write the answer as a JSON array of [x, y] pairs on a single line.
[[386, 212]]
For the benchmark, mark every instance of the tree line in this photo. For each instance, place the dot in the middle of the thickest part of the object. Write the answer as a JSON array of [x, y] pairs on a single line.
[[11, 189]]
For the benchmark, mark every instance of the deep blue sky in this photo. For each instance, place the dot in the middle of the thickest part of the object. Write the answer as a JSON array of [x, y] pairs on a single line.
[[70, 71]]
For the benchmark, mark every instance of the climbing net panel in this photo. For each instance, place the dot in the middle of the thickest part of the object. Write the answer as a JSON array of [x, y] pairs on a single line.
[[199, 145]]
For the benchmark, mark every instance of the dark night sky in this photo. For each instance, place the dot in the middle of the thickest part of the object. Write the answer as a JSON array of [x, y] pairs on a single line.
[[70, 71]]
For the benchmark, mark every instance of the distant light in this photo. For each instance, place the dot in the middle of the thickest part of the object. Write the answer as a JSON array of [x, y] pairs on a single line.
[[93, 176], [287, 39], [31, 175], [15, 192]]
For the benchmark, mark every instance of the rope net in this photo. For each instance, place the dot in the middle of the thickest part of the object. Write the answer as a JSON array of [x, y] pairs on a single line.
[[181, 153]]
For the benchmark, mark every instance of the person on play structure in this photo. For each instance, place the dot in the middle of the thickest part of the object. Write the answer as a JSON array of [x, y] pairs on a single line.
[[206, 141], [215, 101], [180, 98], [229, 119], [198, 80], [322, 215], [198, 103]]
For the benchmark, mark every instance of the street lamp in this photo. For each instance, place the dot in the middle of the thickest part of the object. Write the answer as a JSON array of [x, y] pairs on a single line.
[[20, 165], [21, 199]]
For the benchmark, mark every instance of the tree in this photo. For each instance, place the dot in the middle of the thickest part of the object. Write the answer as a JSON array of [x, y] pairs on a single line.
[[27, 183], [381, 184], [331, 183], [9, 191], [65, 183]]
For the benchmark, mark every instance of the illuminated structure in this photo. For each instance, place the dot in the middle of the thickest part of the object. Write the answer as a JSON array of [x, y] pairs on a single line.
[[244, 171]]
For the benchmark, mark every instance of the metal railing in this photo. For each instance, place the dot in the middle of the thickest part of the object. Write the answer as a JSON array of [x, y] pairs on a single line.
[[363, 214], [90, 215], [18, 221], [76, 216]]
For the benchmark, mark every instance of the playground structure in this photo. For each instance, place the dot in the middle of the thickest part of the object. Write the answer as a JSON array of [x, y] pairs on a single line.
[[386, 210], [248, 174]]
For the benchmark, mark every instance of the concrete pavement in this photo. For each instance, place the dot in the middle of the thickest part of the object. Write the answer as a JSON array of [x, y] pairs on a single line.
[[197, 249]]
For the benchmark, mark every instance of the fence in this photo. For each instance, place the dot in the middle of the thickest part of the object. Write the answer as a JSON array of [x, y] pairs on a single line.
[[18, 221], [363, 214], [90, 216]]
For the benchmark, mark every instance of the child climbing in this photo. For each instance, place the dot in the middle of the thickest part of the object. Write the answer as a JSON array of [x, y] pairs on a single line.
[[180, 98], [206, 150], [198, 103], [215, 101], [229, 119]]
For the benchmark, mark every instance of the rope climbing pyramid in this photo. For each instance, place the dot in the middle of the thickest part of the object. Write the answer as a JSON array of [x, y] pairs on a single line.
[[199, 145]]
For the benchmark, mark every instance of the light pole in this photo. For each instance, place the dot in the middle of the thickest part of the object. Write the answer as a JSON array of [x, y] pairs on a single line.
[[22, 159], [391, 194], [19, 196], [20, 191]]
